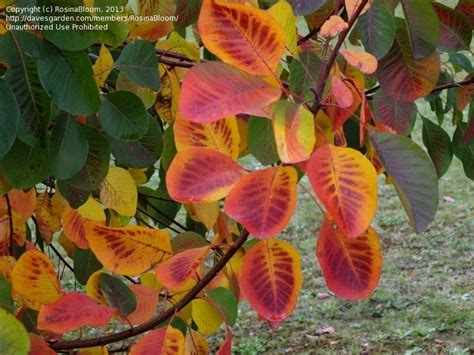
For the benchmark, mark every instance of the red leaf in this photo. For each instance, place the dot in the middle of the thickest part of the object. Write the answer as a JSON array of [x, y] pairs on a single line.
[[165, 340], [226, 346], [351, 267], [147, 301], [264, 201], [73, 311]]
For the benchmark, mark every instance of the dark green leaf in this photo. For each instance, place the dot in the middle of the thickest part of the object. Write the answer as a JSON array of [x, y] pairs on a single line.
[[455, 30], [226, 301], [377, 29], [141, 153], [9, 116], [6, 300], [159, 205], [117, 294], [413, 174], [169, 148], [68, 146], [138, 60], [29, 318], [85, 264], [303, 74], [398, 115], [261, 141], [74, 196], [464, 152], [123, 116], [188, 12], [438, 143], [68, 77], [461, 61]]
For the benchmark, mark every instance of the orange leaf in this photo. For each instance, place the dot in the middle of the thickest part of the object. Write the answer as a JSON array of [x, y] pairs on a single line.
[[264, 201], [346, 183], [35, 280], [341, 93], [333, 26], [293, 127], [226, 346], [214, 90], [147, 301], [129, 250], [163, 341], [23, 202], [48, 214], [196, 344], [73, 311], [174, 272], [201, 175], [39, 346], [335, 110], [222, 136], [241, 35], [271, 279], [351, 267], [363, 61]]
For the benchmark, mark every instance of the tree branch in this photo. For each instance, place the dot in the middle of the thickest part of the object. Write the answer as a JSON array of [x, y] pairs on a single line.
[[112, 338], [10, 225]]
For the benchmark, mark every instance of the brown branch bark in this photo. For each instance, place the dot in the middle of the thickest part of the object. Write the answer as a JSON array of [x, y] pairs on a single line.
[[10, 225], [112, 338]]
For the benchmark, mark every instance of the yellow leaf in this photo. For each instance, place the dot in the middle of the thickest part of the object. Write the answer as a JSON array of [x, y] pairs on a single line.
[[283, 13], [6, 267], [139, 176], [206, 316], [93, 288], [129, 250], [149, 279], [103, 66], [49, 211], [118, 192], [35, 279], [206, 213], [243, 126], [167, 99], [363, 61], [152, 30], [177, 44], [333, 26], [97, 350], [195, 344]]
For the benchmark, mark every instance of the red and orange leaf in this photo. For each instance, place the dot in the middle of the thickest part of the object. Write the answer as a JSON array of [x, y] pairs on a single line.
[[147, 301], [23, 202], [214, 90], [19, 231], [338, 113], [271, 279], [39, 346], [293, 127], [201, 175], [241, 35], [175, 272], [346, 183], [48, 213], [162, 341], [73, 311], [264, 201], [35, 279], [222, 136], [341, 93], [351, 267], [129, 250], [363, 61], [226, 346]]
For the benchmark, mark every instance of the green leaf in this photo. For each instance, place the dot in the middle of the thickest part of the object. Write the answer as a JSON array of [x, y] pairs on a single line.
[[85, 264], [14, 339], [117, 31], [305, 7], [261, 141], [68, 146], [461, 61], [6, 300], [117, 294], [226, 301], [123, 116], [464, 152], [68, 77], [25, 166], [141, 153], [5, 184], [97, 164], [455, 31], [160, 205], [377, 29], [74, 196], [169, 148], [9, 116], [423, 26], [413, 174], [438, 143], [303, 74], [138, 60], [187, 12], [398, 115]]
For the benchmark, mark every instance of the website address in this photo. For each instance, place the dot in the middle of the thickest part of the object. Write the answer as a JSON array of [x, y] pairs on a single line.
[[90, 19]]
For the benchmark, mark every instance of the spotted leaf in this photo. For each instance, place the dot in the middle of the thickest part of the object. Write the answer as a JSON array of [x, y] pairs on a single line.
[[351, 266], [346, 183], [271, 279], [129, 250], [201, 175], [73, 311], [241, 35], [264, 201]]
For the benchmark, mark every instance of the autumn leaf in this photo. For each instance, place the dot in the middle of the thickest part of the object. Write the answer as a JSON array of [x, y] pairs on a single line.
[[363, 61], [118, 192], [206, 316], [196, 343], [333, 26], [103, 66], [73, 311], [23, 202], [166, 340], [48, 213], [129, 250], [147, 302]]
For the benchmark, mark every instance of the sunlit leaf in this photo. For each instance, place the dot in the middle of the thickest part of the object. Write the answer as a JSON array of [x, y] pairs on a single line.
[[118, 192], [283, 13], [351, 266]]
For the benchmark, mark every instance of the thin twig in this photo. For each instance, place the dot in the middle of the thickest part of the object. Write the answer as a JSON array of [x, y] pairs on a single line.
[[58, 254], [156, 220], [164, 215], [140, 329], [10, 224]]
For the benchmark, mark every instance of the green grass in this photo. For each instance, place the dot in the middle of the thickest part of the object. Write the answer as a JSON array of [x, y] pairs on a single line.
[[423, 304]]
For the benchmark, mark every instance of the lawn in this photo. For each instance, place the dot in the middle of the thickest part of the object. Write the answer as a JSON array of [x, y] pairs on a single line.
[[423, 304]]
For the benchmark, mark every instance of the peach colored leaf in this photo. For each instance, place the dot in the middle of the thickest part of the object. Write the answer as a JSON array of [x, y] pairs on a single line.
[[363, 61], [23, 202], [243, 36], [271, 279], [214, 90], [201, 175], [162, 341], [128, 250], [147, 302], [264, 201], [338, 114], [346, 183], [341, 93], [333, 26], [351, 267], [73, 311]]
